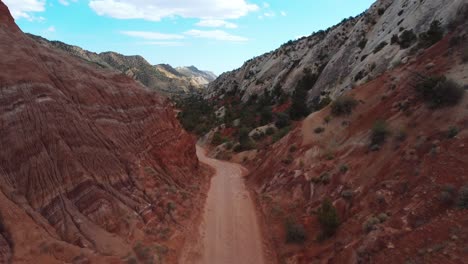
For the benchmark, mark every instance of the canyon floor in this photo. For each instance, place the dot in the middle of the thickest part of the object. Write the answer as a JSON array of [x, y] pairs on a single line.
[[229, 231]]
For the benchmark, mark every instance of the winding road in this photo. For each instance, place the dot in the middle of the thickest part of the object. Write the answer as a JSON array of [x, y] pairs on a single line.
[[229, 232]]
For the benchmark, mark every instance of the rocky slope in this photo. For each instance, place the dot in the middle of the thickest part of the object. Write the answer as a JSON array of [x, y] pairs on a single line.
[[162, 77], [401, 200], [94, 167], [343, 56]]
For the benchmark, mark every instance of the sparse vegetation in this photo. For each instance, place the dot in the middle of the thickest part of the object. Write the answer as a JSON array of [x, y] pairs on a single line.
[[295, 232], [447, 195], [343, 105], [462, 201], [362, 44], [292, 148], [380, 46], [319, 130], [347, 194], [328, 219], [379, 133], [433, 35], [282, 120], [218, 139], [270, 131], [452, 132], [439, 91], [281, 133], [370, 224], [407, 38], [344, 168]]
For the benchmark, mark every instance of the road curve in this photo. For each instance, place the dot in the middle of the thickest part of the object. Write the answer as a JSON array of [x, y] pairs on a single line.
[[229, 232]]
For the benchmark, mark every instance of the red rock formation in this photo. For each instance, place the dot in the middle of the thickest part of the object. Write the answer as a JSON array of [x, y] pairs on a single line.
[[88, 158], [411, 183]]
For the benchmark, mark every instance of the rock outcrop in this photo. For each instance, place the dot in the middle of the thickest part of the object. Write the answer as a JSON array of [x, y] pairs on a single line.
[[93, 166], [162, 77], [354, 51]]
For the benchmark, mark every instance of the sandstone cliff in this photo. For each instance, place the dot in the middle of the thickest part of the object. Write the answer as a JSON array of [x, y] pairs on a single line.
[[93, 166], [343, 56]]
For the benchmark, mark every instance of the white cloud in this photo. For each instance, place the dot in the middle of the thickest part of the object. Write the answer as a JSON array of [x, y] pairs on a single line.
[[215, 34], [266, 5], [152, 35], [66, 2], [216, 23], [51, 29], [155, 10], [24, 8], [269, 14], [283, 13], [164, 43]]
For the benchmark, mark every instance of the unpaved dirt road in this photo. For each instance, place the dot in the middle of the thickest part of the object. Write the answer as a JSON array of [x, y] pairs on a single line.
[[229, 232]]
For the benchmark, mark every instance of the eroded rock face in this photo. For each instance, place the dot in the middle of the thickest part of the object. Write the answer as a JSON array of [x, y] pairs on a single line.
[[342, 56], [88, 157]]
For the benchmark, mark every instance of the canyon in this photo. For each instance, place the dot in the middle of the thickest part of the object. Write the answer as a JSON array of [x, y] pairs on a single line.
[[346, 146]]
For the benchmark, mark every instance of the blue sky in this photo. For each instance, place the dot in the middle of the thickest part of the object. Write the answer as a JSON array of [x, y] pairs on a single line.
[[216, 35]]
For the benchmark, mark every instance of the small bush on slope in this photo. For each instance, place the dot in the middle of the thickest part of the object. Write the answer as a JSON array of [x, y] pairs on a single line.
[[440, 91], [343, 105], [433, 35], [328, 219], [379, 132], [463, 197], [295, 232]]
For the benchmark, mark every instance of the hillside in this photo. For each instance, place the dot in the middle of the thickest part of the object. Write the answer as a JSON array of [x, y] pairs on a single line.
[[348, 54], [161, 77], [94, 167]]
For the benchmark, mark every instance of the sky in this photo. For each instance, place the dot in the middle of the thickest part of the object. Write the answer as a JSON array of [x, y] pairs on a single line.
[[215, 35]]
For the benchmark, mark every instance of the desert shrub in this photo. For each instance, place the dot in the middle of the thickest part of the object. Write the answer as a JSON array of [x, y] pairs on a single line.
[[380, 46], [229, 145], [370, 224], [258, 135], [144, 253], [319, 130], [452, 132], [394, 39], [362, 44], [381, 11], [218, 139], [270, 131], [292, 148], [245, 143], [447, 195], [465, 55], [439, 91], [407, 38], [462, 200], [295, 232], [347, 194], [401, 135], [382, 217], [299, 107], [281, 133], [328, 219], [344, 168], [343, 105], [325, 178], [433, 35], [282, 120], [379, 133]]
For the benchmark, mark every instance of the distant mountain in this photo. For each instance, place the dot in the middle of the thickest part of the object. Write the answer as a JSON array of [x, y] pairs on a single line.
[[162, 77]]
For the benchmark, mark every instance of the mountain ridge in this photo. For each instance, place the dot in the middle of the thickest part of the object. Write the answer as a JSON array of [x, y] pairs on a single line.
[[188, 80]]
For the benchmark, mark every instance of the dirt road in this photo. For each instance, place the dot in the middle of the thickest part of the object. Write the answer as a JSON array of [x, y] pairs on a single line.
[[229, 232]]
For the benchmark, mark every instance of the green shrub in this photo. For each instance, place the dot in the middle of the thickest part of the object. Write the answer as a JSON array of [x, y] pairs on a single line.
[[343, 105], [295, 232], [463, 197], [347, 194], [218, 139], [282, 120], [380, 46], [344, 168], [292, 148], [452, 132], [447, 195], [299, 107], [382, 217], [379, 133], [270, 131], [319, 130], [281, 133], [370, 224], [440, 91], [362, 44], [433, 35], [328, 219], [407, 38]]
